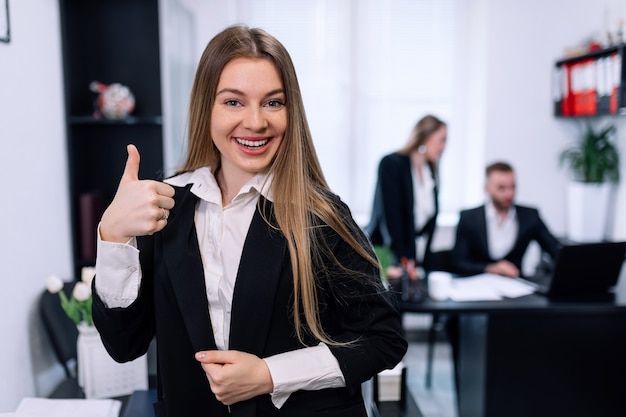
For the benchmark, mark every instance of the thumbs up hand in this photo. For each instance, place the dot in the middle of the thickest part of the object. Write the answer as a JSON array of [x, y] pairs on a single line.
[[140, 207]]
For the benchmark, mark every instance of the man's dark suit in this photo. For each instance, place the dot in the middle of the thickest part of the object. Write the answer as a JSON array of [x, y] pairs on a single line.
[[470, 254], [173, 305], [393, 213]]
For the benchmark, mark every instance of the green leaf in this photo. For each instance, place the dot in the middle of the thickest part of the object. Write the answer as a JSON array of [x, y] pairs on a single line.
[[385, 257], [77, 311], [70, 307]]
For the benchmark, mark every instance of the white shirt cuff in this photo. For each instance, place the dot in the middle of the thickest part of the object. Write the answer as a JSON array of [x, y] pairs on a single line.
[[118, 272], [309, 369]]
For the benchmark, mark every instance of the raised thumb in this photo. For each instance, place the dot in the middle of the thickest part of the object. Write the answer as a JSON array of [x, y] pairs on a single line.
[[131, 170]]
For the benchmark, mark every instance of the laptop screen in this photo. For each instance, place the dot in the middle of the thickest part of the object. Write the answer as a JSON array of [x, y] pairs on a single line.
[[589, 268]]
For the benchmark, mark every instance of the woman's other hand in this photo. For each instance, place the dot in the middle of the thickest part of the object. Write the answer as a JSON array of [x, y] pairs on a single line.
[[235, 376]]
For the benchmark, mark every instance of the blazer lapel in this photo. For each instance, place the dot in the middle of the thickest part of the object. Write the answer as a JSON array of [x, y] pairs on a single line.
[[409, 201], [257, 280], [523, 224], [481, 224], [184, 267]]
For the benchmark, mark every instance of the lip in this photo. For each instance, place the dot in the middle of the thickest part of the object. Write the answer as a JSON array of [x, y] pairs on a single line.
[[249, 144]]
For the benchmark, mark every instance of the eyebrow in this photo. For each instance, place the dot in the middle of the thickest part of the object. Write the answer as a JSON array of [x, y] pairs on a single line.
[[241, 93]]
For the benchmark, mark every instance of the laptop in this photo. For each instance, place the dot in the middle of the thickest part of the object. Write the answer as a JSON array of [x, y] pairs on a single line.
[[582, 269]]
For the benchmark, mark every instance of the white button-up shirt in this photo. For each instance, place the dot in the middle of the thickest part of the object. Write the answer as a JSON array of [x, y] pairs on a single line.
[[221, 235], [501, 233], [423, 205]]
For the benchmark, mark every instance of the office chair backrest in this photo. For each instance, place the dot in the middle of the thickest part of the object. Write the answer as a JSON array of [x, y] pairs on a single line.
[[60, 329], [438, 261]]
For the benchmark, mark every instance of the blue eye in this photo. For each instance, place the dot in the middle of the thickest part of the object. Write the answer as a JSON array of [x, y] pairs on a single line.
[[233, 103], [275, 103]]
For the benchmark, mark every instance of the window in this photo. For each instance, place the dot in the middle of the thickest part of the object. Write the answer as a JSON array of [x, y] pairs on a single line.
[[368, 70]]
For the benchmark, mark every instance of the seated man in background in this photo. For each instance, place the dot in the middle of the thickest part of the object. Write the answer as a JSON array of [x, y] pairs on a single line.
[[494, 237]]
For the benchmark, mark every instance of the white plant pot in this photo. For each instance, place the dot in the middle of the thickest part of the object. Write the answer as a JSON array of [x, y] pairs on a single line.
[[99, 375], [588, 210]]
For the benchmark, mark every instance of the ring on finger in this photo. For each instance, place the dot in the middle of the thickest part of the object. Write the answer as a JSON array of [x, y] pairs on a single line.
[[165, 214]]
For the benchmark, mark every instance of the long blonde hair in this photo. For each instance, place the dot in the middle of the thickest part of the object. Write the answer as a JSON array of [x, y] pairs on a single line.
[[299, 189]]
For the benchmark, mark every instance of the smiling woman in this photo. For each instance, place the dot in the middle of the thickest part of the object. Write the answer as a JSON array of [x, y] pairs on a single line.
[[262, 291]]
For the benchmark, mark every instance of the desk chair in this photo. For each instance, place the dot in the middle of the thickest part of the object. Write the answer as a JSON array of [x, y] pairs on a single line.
[[435, 261], [61, 331]]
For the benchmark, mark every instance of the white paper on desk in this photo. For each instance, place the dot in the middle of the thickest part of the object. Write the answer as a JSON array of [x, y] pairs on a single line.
[[472, 289], [488, 287], [509, 287], [47, 407]]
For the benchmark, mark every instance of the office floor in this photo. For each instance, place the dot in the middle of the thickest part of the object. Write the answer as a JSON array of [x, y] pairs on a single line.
[[439, 400]]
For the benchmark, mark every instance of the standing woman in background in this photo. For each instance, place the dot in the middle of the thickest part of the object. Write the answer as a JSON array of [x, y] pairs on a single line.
[[406, 199], [263, 293]]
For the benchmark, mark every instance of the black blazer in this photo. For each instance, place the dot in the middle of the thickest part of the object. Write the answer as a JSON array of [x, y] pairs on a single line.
[[470, 254], [393, 214], [172, 305]]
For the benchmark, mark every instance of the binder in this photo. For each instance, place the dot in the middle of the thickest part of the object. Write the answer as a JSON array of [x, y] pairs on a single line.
[[603, 85], [616, 72], [567, 101], [591, 98]]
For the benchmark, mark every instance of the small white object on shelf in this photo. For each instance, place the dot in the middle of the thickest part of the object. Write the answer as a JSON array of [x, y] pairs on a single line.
[[390, 382]]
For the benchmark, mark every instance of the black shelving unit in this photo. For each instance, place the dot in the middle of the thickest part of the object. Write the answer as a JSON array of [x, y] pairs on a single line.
[[108, 41], [590, 85]]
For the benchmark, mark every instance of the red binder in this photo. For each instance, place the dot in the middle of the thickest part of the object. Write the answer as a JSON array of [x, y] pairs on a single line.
[[615, 74]]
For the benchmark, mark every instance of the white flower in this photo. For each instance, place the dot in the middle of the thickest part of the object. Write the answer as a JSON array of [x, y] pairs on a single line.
[[78, 305], [87, 273], [54, 284], [81, 292]]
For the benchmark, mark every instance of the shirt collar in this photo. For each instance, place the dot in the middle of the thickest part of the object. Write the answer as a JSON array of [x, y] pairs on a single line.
[[492, 214], [205, 185]]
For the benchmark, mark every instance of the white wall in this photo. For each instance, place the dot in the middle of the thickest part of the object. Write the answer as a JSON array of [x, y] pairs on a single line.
[[34, 212], [512, 46], [525, 38]]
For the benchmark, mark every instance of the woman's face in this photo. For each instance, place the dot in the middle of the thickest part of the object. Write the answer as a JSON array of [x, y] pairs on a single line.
[[249, 117], [436, 143]]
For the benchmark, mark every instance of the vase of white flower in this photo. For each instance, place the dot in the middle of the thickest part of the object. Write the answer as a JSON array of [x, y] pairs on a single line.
[[98, 374], [88, 340]]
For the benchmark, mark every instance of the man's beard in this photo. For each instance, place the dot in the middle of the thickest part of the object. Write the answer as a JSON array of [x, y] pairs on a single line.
[[500, 206]]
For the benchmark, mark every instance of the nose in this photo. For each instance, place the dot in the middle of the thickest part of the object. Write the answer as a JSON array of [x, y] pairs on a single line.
[[254, 118]]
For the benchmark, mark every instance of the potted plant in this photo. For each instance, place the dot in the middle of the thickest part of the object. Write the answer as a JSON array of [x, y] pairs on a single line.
[[594, 166]]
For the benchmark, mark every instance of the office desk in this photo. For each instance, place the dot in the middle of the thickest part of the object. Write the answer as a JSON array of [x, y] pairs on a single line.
[[532, 356]]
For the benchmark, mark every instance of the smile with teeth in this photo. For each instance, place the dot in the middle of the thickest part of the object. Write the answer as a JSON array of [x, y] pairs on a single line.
[[252, 143]]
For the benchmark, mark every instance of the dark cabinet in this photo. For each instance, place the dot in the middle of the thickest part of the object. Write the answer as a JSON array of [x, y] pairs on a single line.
[[111, 41], [593, 84]]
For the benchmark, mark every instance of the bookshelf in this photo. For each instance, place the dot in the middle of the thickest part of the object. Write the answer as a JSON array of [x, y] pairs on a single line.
[[108, 41], [591, 85]]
